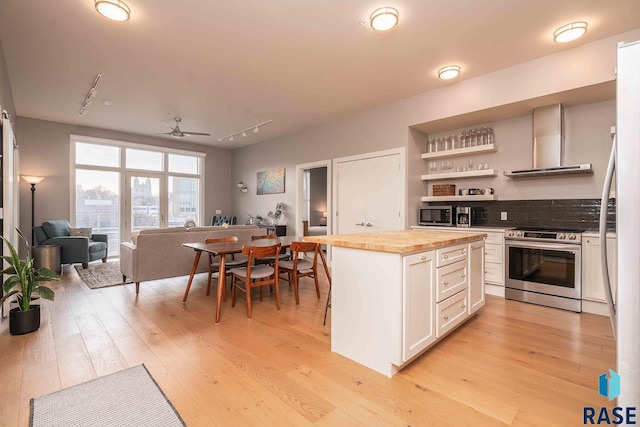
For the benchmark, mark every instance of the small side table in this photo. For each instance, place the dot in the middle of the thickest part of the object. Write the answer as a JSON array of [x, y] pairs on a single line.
[[47, 256]]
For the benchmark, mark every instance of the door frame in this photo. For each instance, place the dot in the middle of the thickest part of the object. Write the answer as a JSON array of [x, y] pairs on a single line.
[[299, 196], [401, 151]]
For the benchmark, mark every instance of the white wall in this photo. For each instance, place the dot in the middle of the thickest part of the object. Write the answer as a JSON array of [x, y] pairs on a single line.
[[387, 126]]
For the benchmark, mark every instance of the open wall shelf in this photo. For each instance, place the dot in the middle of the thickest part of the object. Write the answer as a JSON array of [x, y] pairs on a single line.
[[459, 198], [455, 175], [490, 148]]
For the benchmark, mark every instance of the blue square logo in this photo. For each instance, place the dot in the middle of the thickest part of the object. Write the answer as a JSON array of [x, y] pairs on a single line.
[[609, 387]]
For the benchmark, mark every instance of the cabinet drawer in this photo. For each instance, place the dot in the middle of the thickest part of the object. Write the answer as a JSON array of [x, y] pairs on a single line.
[[450, 313], [493, 253], [494, 273], [451, 279], [451, 254], [495, 239]]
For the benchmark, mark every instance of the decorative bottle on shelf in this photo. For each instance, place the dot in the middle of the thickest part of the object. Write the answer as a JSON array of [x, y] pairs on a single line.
[[490, 136]]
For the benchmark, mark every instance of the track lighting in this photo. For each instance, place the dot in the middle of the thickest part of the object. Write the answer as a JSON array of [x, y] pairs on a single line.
[[93, 92], [243, 132]]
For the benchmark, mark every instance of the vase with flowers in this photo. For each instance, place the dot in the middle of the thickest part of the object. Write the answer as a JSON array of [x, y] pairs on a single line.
[[275, 215]]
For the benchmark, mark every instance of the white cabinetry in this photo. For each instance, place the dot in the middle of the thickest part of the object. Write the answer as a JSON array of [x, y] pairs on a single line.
[[494, 267], [593, 297], [417, 300], [476, 263], [384, 305]]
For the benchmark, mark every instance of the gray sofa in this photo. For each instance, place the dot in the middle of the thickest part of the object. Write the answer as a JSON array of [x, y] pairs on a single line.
[[158, 253], [73, 249]]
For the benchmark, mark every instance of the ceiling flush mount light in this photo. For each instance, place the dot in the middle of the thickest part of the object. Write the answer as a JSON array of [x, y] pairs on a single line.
[[243, 132], [384, 19], [115, 10], [570, 32], [449, 72]]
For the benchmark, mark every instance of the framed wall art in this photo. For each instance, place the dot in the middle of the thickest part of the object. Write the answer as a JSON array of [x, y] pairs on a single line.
[[271, 182]]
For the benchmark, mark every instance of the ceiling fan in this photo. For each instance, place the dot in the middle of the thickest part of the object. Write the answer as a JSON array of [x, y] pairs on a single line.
[[176, 132]]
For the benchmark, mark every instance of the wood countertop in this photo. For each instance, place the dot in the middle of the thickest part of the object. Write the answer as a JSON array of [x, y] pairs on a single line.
[[400, 242]]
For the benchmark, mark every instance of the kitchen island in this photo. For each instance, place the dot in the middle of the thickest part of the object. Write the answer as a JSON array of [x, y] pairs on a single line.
[[397, 293]]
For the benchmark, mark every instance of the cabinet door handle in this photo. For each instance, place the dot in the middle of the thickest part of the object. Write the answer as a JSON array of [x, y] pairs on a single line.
[[445, 256], [369, 224], [445, 283], [423, 258], [360, 224], [464, 252], [445, 317], [464, 305], [463, 275]]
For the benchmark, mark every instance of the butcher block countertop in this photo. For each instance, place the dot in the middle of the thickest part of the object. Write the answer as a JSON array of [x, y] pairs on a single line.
[[400, 242]]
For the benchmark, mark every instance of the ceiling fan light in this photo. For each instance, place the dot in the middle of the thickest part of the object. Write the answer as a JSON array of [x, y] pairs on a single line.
[[244, 133], [231, 138], [449, 72], [115, 10], [570, 32], [255, 130], [384, 19]]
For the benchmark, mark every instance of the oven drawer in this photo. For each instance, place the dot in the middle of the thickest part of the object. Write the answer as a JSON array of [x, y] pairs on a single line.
[[451, 254], [493, 253], [494, 273], [450, 313], [451, 279]]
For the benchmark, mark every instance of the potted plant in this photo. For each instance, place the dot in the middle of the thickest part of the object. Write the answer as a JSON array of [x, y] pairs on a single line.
[[275, 215], [23, 281]]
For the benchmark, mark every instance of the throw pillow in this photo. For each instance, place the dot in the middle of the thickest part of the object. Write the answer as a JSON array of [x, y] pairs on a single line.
[[83, 232]]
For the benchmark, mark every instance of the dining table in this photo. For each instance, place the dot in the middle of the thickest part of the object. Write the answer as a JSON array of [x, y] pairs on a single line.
[[228, 248]]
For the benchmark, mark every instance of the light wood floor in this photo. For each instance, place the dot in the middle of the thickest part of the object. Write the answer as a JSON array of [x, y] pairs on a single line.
[[512, 364]]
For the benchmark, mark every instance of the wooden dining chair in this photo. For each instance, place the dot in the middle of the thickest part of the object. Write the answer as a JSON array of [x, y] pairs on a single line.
[[214, 266], [270, 260], [301, 266], [256, 275]]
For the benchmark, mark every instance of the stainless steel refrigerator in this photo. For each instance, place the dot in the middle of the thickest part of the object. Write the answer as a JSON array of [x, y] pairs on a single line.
[[625, 162]]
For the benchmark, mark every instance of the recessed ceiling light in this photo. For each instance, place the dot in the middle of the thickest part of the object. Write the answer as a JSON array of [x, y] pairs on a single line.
[[570, 32], [115, 10], [384, 19], [449, 72]]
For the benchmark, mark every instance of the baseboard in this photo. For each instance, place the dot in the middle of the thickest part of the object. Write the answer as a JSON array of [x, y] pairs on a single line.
[[497, 290]]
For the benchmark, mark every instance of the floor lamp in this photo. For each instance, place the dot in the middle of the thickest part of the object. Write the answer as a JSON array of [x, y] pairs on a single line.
[[33, 180]]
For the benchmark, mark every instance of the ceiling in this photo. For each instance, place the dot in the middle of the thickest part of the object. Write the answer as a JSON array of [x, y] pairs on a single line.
[[224, 66]]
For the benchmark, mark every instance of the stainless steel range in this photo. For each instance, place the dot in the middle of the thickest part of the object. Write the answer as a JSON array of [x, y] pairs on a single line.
[[544, 267]]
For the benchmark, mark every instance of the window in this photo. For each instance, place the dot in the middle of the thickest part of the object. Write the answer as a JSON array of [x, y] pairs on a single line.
[[121, 187]]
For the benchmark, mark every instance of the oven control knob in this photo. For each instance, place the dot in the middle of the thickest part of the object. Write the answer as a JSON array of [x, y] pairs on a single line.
[[572, 237], [561, 236], [520, 233]]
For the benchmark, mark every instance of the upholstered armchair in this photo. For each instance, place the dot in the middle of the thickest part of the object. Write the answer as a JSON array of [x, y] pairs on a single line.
[[221, 219], [74, 248]]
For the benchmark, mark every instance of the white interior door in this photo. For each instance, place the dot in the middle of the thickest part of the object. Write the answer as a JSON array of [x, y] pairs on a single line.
[[351, 195], [386, 194], [370, 193]]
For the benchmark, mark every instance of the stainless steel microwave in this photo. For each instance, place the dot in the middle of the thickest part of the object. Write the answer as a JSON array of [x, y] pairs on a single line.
[[436, 215]]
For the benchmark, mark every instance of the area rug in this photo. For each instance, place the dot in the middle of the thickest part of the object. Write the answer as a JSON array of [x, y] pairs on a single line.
[[126, 398], [101, 275]]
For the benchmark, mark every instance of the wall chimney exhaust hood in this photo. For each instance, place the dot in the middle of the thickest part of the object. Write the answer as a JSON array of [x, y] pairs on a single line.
[[548, 146]]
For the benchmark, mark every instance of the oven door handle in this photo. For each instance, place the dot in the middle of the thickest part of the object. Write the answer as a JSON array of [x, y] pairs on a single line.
[[547, 246]]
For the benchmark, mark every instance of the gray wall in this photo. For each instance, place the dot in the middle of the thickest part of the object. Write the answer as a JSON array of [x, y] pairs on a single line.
[[388, 126], [6, 96], [318, 195], [44, 151]]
